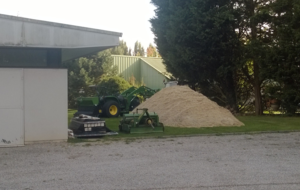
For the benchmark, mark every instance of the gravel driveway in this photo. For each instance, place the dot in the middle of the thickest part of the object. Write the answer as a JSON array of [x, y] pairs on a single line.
[[262, 161]]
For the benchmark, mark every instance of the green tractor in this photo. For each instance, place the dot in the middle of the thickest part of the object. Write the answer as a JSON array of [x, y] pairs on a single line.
[[112, 105]]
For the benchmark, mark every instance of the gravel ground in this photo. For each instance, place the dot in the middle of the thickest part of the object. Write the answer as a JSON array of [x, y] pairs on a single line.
[[262, 161]]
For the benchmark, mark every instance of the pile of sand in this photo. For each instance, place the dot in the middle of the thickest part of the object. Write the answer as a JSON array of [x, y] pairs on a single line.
[[180, 106]]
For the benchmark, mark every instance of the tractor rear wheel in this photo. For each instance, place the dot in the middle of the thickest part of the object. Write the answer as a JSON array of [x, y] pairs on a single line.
[[111, 109]]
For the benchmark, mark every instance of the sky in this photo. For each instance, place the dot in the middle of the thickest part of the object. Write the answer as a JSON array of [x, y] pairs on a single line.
[[129, 17]]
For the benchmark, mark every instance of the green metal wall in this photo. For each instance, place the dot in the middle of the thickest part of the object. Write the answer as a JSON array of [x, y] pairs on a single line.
[[151, 77], [143, 72], [128, 66]]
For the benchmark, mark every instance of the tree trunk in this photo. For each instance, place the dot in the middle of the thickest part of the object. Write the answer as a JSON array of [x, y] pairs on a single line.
[[230, 93], [256, 70], [257, 89]]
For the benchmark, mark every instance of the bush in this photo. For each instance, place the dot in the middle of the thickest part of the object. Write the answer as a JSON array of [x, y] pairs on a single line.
[[112, 85]]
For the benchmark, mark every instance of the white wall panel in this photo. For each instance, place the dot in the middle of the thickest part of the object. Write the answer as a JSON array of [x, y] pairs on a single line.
[[11, 128], [11, 88], [46, 104], [11, 107]]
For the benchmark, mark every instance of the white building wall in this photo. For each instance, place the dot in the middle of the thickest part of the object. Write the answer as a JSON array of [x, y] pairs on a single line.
[[33, 106], [46, 104], [11, 108]]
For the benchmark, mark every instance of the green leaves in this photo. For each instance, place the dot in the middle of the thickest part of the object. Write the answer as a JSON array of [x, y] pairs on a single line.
[[284, 64], [228, 48], [122, 49], [113, 85], [151, 51], [138, 49], [196, 39], [87, 71]]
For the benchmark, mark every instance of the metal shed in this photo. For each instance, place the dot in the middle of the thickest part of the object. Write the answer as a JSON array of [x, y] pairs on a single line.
[[146, 70], [33, 95]]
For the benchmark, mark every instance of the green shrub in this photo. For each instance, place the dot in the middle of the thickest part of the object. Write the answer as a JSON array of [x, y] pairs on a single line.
[[113, 85]]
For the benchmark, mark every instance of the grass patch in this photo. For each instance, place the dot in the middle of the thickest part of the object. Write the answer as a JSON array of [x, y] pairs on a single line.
[[70, 115], [252, 124]]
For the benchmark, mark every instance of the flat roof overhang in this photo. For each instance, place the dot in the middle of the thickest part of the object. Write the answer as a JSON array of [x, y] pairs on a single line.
[[74, 41]]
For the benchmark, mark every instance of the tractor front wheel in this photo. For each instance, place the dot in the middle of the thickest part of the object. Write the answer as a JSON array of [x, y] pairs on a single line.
[[111, 109]]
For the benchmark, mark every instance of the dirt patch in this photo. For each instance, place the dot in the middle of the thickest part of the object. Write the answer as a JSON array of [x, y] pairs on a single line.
[[180, 106]]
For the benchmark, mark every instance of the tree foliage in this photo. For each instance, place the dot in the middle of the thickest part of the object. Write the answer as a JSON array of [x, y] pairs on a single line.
[[121, 49], [230, 48], [138, 49], [254, 31], [87, 71], [151, 51], [284, 64], [113, 85], [197, 39]]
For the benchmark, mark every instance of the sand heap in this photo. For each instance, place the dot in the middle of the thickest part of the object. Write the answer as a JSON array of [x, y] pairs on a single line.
[[180, 106]]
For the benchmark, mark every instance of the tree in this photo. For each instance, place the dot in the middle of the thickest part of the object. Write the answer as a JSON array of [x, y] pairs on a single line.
[[268, 30], [129, 52], [199, 45], [151, 51], [284, 64], [138, 49], [256, 34], [87, 71], [122, 49]]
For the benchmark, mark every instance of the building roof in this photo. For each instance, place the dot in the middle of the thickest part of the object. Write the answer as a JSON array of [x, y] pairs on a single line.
[[157, 64], [54, 24], [75, 41]]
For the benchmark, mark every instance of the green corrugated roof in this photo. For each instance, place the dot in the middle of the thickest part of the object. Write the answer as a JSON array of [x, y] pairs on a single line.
[[157, 64]]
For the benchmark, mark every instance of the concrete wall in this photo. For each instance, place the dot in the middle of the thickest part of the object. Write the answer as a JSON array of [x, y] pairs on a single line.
[[33, 105]]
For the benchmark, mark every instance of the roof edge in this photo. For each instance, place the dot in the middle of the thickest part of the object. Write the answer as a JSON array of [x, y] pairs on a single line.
[[55, 24], [156, 68], [127, 56]]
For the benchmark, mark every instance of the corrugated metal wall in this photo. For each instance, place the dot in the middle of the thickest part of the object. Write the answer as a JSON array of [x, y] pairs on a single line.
[[151, 77], [128, 66], [143, 72]]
